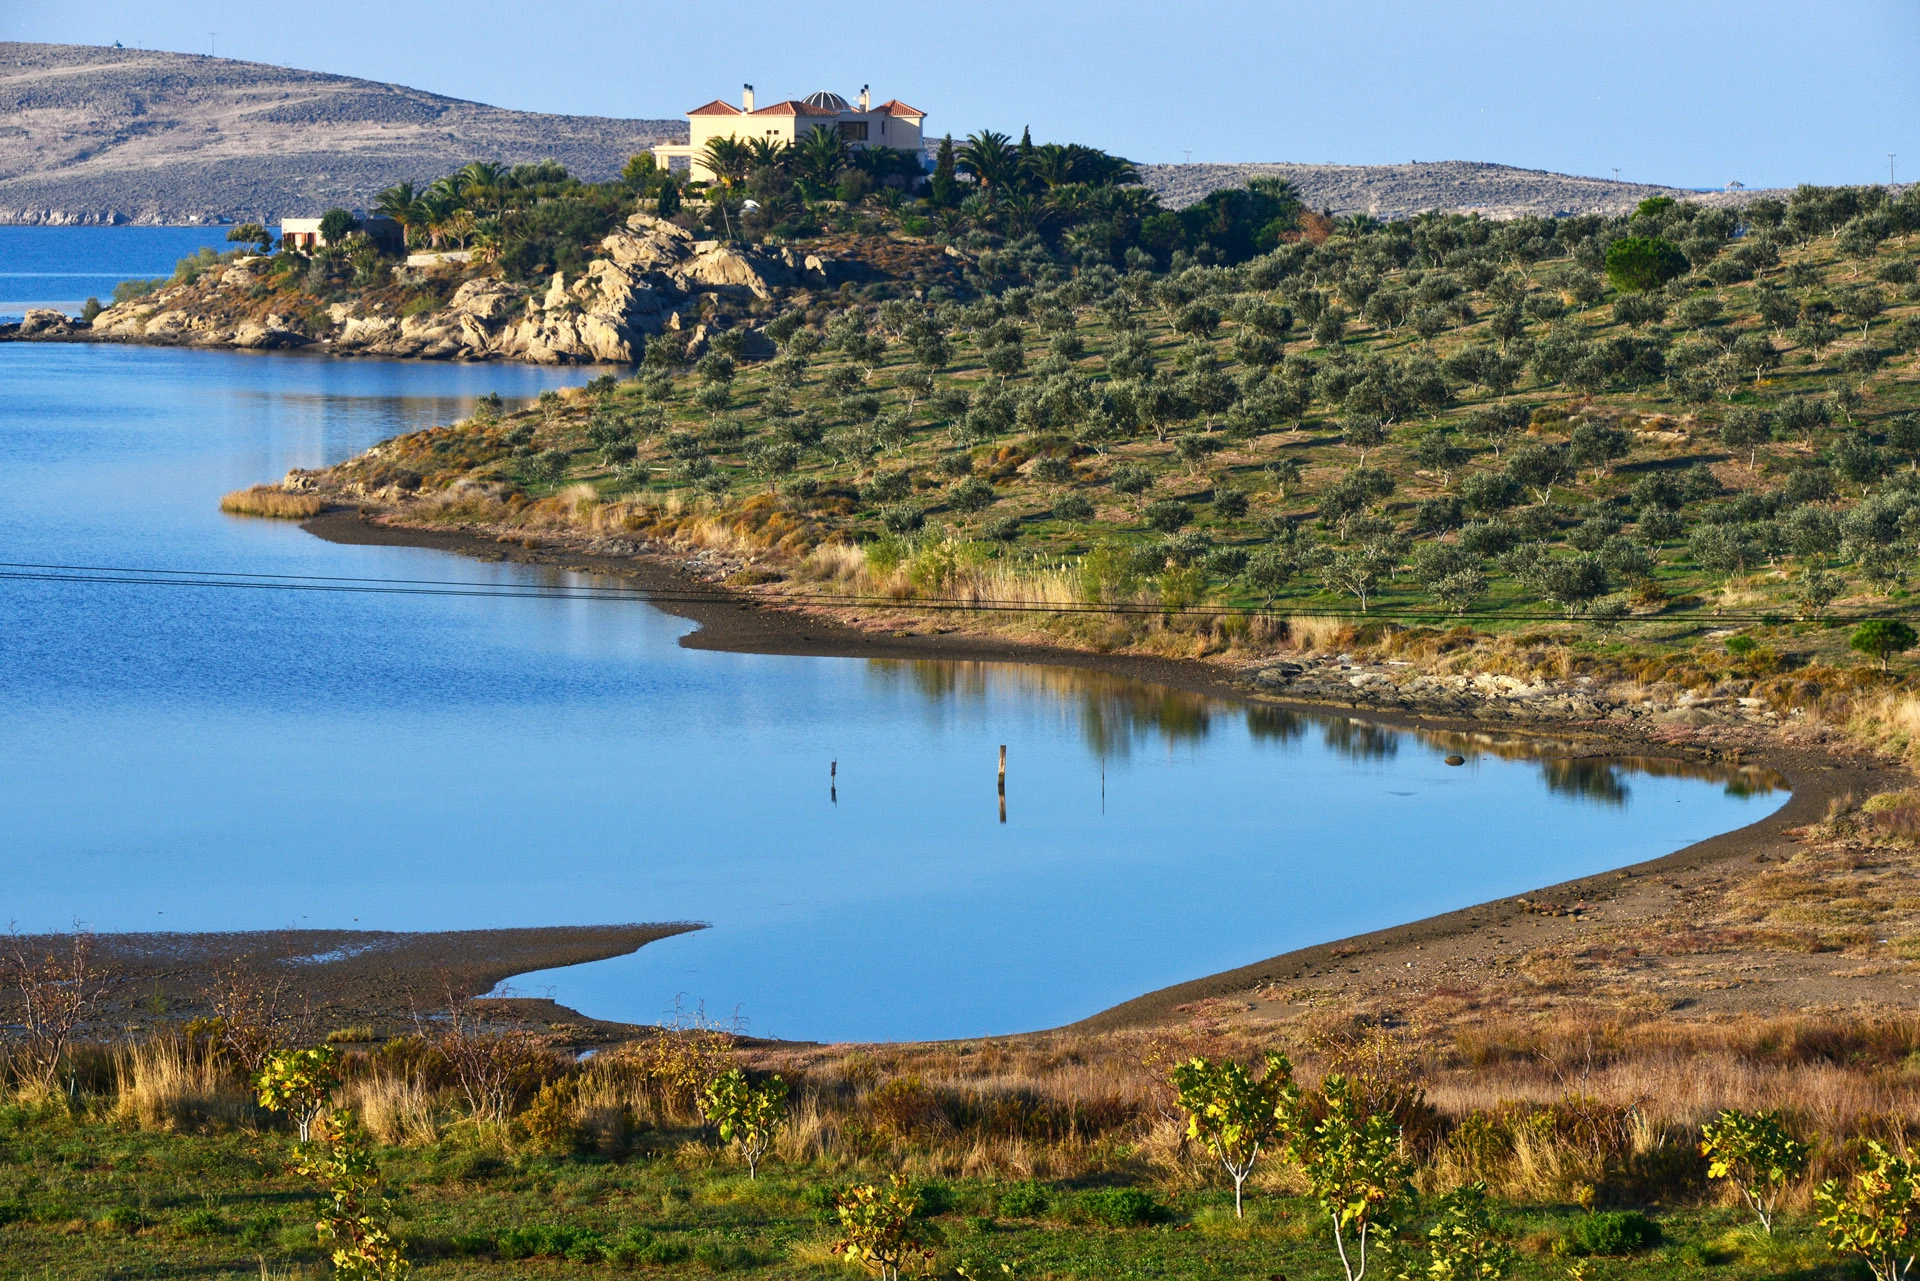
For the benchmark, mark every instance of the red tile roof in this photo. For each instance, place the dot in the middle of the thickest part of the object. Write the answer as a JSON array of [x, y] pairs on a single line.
[[895, 107], [716, 108], [792, 107]]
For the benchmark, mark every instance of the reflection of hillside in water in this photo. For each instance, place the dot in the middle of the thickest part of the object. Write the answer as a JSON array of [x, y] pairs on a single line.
[[1116, 713], [1601, 778]]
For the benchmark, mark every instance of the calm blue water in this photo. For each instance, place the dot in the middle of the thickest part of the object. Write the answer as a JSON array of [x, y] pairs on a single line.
[[175, 758], [62, 267]]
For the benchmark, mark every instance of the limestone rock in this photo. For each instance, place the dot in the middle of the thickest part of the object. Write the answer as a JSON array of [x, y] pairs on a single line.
[[45, 322], [649, 244], [725, 267], [243, 273], [255, 335], [365, 331], [128, 318], [167, 324], [481, 300]]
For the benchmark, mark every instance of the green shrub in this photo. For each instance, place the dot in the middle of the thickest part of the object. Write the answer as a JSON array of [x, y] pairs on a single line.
[[1122, 1207], [1022, 1200], [1612, 1232], [476, 1167], [725, 1256], [194, 1223], [121, 1218], [128, 290], [549, 1241]]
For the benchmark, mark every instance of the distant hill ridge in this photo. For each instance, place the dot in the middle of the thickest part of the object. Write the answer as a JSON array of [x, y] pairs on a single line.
[[1454, 186], [94, 135], [101, 135]]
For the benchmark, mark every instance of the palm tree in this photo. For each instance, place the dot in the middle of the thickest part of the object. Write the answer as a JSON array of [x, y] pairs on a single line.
[[1023, 212], [990, 157], [435, 210], [770, 153], [822, 154], [400, 203], [481, 181], [729, 161], [1055, 164], [488, 242]]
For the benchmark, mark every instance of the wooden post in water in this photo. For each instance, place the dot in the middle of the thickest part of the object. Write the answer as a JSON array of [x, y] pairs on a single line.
[[1003, 782]]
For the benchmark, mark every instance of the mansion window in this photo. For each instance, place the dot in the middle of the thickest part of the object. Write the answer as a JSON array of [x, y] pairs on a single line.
[[853, 130]]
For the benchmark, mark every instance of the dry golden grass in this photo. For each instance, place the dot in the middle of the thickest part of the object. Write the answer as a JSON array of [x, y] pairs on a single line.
[[1319, 635], [272, 501], [168, 1084], [398, 1111], [1891, 722]]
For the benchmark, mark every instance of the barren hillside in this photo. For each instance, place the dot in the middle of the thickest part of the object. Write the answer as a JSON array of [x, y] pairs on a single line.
[[94, 135], [1400, 191]]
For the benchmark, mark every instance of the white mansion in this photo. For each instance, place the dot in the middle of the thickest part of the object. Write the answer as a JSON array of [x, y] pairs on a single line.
[[890, 124]]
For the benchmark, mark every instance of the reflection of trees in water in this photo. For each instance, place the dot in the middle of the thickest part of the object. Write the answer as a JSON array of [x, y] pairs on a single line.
[[1274, 724], [1114, 718], [1580, 775], [1361, 740], [1117, 712], [941, 681], [1588, 778], [1114, 712]]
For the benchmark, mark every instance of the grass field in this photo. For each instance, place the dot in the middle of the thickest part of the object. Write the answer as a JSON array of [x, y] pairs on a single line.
[[1054, 1156]]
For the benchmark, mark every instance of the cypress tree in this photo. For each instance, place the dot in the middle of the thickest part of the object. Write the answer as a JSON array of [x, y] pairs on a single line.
[[945, 184]]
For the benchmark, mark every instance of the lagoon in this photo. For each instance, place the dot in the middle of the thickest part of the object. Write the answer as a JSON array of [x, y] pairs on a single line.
[[176, 758]]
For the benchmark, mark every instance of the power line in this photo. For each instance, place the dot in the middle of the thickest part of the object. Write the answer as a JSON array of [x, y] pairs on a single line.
[[134, 576]]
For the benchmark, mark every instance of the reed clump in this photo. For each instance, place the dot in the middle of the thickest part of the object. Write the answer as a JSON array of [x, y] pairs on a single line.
[[176, 1083], [273, 502]]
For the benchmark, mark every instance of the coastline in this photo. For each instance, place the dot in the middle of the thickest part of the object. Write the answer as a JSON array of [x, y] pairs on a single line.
[[1437, 948], [383, 980], [75, 335]]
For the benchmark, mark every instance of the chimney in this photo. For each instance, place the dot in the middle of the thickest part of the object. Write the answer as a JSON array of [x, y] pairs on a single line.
[[746, 98], [864, 99]]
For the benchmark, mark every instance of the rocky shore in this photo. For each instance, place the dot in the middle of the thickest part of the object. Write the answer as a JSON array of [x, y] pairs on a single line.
[[650, 277], [1342, 680]]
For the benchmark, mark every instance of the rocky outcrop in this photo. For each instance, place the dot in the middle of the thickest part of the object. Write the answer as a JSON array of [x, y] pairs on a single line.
[[645, 284], [44, 322]]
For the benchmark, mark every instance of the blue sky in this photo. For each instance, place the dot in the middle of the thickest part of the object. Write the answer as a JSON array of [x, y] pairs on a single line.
[[1690, 92]]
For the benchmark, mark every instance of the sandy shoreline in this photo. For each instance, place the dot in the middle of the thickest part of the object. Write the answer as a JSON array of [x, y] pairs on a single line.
[[740, 624]]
